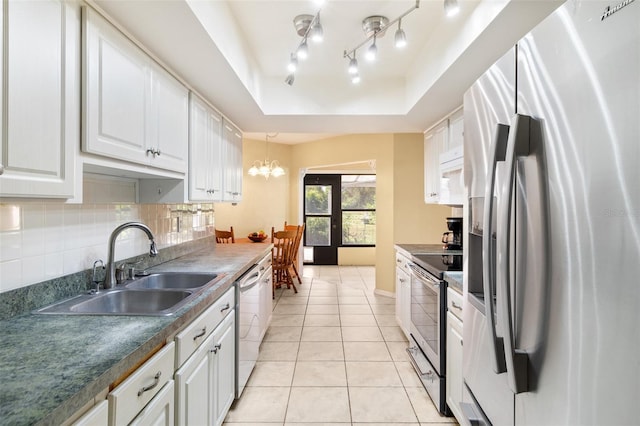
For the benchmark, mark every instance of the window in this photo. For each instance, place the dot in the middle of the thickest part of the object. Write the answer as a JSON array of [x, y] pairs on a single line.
[[358, 205]]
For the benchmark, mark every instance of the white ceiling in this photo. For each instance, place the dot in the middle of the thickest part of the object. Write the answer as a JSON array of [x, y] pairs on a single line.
[[235, 53]]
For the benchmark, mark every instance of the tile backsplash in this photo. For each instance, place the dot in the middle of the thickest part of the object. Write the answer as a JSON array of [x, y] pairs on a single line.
[[42, 241]]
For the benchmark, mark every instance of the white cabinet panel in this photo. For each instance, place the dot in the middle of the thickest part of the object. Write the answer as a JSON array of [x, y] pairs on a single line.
[[456, 130], [232, 154], [97, 416], [133, 394], [455, 380], [134, 110], [170, 121], [224, 382], [116, 92], [159, 412], [403, 294], [434, 142], [41, 95], [443, 161], [205, 156], [193, 393]]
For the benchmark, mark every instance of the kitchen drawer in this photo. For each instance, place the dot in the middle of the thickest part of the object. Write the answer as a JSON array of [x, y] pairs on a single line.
[[454, 303], [264, 263], [132, 395], [188, 340], [402, 262]]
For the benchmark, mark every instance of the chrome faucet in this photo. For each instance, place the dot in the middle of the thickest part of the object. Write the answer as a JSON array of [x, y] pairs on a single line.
[[110, 279]]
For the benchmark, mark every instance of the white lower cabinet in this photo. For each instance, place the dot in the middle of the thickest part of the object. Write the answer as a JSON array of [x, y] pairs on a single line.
[[403, 294], [455, 380], [192, 388], [96, 416], [159, 412], [130, 399], [224, 376], [205, 383]]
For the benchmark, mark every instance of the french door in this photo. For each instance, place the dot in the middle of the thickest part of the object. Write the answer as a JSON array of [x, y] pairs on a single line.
[[322, 217]]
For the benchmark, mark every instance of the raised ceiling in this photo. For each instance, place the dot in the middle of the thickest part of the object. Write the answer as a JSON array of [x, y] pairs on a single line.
[[235, 54]]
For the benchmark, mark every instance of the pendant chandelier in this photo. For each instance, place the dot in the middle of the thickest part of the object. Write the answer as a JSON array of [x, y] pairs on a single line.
[[266, 168]]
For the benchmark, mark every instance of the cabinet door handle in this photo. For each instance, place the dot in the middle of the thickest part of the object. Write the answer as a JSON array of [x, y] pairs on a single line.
[[216, 348], [156, 380], [227, 306], [455, 305], [1, 169], [158, 153], [202, 333]]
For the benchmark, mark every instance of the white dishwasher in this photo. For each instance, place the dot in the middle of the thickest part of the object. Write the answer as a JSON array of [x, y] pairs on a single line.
[[250, 319]]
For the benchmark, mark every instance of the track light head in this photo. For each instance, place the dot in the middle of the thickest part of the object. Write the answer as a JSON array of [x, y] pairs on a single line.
[[303, 50], [353, 65], [372, 51], [400, 37], [290, 79], [316, 32], [293, 64], [451, 7]]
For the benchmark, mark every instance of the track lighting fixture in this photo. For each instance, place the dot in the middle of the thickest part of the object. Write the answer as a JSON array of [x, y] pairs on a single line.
[[307, 27], [451, 7], [375, 27]]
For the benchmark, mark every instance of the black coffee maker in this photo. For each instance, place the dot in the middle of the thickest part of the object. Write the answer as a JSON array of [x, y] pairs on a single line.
[[452, 240]]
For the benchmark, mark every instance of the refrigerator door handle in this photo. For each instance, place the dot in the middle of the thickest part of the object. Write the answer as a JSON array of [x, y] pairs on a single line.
[[497, 152], [517, 145]]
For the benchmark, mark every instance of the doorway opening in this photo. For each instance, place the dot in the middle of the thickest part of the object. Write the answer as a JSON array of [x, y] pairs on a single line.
[[339, 211]]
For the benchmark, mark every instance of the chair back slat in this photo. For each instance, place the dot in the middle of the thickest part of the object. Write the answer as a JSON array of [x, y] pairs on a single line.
[[225, 237]]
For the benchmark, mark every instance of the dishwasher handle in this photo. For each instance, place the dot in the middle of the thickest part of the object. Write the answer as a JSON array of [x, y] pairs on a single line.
[[249, 280]]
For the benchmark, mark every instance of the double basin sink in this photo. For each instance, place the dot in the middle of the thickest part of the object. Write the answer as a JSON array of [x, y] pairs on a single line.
[[158, 294]]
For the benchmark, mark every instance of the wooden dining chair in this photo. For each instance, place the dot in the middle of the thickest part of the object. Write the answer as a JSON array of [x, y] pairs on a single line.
[[282, 258], [225, 237], [300, 232]]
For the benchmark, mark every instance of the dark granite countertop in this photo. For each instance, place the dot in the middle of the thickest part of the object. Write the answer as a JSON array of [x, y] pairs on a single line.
[[52, 365]]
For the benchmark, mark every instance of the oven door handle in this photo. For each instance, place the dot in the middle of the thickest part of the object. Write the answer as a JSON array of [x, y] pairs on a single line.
[[497, 152], [416, 271]]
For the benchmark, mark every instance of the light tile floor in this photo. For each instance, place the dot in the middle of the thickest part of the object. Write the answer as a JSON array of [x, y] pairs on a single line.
[[334, 355]]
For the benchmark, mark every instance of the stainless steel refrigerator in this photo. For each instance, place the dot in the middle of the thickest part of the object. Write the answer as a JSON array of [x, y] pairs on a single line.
[[552, 258]]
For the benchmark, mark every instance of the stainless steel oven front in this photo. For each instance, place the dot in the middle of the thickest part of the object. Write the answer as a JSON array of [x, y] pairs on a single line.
[[426, 351]]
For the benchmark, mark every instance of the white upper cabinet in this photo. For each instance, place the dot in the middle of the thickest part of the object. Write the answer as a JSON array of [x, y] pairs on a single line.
[[455, 138], [205, 152], [40, 108], [435, 140], [169, 121], [232, 157], [133, 109], [443, 161]]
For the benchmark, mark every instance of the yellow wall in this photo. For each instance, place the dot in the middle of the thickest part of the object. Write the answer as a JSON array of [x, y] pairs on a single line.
[[349, 149], [414, 221], [265, 203], [401, 215]]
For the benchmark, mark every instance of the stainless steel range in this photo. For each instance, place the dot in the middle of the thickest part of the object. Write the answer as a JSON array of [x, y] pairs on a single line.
[[428, 321]]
